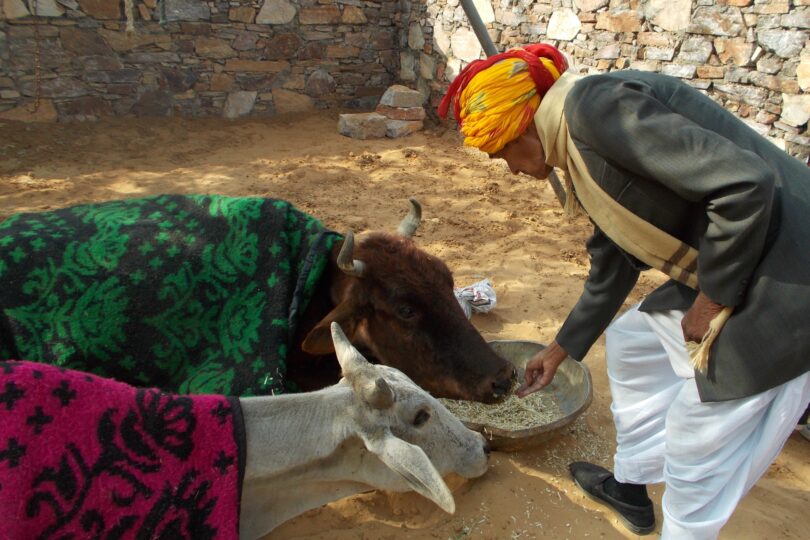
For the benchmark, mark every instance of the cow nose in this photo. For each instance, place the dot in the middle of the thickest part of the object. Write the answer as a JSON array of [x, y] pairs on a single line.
[[501, 388]]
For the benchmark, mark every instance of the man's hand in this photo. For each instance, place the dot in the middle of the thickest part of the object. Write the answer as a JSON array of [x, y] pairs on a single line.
[[695, 323], [541, 369]]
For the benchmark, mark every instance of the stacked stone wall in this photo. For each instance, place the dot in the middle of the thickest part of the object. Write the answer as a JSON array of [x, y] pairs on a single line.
[[752, 56], [83, 59]]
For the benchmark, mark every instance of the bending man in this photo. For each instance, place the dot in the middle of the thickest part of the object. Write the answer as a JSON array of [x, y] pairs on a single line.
[[709, 374]]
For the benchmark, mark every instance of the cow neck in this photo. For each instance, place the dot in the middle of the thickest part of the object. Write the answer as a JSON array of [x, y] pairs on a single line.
[[316, 423]]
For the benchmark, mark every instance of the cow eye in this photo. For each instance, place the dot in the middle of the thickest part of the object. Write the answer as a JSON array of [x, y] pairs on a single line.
[[406, 312], [421, 417]]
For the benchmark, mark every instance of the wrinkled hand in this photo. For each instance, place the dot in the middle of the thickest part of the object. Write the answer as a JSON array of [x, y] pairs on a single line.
[[541, 369], [695, 323]]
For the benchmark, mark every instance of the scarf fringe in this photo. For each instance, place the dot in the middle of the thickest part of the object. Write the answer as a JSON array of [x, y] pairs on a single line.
[[699, 352]]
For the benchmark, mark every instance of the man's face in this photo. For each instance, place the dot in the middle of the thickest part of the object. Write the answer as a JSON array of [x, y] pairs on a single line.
[[525, 154]]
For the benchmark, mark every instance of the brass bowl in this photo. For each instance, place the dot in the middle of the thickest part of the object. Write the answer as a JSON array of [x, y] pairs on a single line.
[[572, 388]]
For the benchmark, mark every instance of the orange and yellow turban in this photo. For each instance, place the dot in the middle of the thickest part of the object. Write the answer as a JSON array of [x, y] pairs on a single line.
[[495, 99]]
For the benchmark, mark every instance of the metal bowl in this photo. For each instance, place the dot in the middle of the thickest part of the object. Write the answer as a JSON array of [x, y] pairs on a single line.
[[572, 388]]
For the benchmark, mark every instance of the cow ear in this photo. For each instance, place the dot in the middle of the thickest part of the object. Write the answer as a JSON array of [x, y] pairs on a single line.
[[411, 462], [319, 339]]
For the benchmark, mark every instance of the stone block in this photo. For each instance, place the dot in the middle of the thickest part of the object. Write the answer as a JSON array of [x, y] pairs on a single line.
[[283, 46], [213, 48], [239, 104], [695, 50], [803, 73], [710, 72], [341, 51], [784, 43], [735, 50], [658, 53], [485, 11], [125, 41], [320, 15], [15, 9], [654, 39], [276, 12], [185, 10], [401, 96], [353, 15], [563, 25], [772, 7], [416, 38], [287, 101], [427, 66], [681, 71], [320, 83], [717, 21], [83, 42], [671, 15], [363, 125], [101, 9], [798, 18], [795, 109], [619, 21], [402, 113], [395, 129], [245, 41], [221, 82], [243, 14], [465, 45]]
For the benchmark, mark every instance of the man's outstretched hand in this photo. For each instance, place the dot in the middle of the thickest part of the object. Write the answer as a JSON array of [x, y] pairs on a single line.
[[695, 323], [541, 369]]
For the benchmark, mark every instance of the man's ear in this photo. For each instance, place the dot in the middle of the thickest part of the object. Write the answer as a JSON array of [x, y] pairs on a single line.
[[319, 339], [411, 462]]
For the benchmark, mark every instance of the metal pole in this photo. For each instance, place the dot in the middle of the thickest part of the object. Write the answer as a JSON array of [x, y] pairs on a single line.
[[478, 27], [490, 49]]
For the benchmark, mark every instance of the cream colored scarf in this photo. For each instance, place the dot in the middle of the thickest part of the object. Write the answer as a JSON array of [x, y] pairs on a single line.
[[634, 235]]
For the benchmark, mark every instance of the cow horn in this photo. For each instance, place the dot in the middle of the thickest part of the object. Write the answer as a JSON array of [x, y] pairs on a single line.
[[345, 261], [350, 360], [411, 222], [381, 397]]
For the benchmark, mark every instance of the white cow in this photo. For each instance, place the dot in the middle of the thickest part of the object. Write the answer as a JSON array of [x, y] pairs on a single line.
[[375, 429]]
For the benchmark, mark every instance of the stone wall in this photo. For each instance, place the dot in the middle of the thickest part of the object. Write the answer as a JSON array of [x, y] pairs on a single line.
[[752, 56], [193, 57]]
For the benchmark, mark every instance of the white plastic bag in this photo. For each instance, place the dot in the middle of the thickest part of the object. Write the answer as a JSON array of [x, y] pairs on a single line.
[[478, 297]]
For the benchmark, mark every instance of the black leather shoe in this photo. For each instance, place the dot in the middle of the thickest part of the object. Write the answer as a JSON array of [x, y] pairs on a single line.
[[591, 478]]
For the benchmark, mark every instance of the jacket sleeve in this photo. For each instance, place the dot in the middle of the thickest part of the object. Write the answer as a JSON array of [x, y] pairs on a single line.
[[610, 280], [627, 124]]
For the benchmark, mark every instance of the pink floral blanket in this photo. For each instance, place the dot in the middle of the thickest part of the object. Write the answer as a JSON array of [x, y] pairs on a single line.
[[87, 457]]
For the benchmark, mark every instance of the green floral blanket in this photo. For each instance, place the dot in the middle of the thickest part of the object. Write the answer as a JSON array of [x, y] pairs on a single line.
[[192, 294]]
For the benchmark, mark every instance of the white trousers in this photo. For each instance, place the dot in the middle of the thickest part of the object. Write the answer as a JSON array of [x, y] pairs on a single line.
[[708, 454]]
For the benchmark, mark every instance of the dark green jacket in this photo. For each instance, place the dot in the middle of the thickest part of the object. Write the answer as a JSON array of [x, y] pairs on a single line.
[[674, 157]]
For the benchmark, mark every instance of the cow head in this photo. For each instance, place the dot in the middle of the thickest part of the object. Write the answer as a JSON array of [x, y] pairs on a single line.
[[414, 436], [396, 302]]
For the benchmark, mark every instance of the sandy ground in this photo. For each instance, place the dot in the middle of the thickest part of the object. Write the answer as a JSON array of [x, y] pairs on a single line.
[[483, 221]]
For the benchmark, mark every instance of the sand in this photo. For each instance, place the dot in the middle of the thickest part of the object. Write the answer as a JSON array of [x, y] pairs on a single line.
[[483, 221]]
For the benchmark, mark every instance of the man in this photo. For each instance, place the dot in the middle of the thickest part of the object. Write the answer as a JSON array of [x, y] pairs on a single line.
[[709, 374]]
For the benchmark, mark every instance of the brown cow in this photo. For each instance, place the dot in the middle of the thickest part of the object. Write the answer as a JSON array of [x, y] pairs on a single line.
[[213, 294], [396, 303]]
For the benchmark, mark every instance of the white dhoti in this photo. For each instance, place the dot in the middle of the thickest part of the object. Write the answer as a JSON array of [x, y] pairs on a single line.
[[708, 454]]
